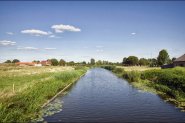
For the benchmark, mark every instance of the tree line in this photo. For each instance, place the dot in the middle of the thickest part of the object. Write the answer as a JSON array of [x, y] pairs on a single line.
[[163, 58]]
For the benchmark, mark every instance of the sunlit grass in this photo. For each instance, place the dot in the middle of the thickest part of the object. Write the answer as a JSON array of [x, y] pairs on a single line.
[[137, 68], [34, 91]]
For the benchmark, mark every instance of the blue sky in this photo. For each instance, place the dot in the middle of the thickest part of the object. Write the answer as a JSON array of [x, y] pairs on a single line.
[[80, 30]]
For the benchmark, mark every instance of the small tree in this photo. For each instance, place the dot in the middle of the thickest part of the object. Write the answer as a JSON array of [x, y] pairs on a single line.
[[15, 61], [163, 57], [153, 62], [92, 61], [71, 63], [132, 60], [54, 62], [143, 61], [62, 62], [173, 59], [99, 62], [84, 63], [36, 61], [7, 61], [124, 60]]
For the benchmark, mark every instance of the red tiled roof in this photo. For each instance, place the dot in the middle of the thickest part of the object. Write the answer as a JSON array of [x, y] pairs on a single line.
[[26, 63]]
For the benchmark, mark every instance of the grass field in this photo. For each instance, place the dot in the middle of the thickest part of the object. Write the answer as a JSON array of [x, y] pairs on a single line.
[[33, 86], [15, 79], [137, 68]]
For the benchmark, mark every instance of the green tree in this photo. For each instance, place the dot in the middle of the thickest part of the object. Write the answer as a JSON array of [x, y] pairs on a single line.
[[92, 61], [143, 61], [173, 59], [124, 60], [62, 62], [71, 63], [15, 61], [153, 62], [99, 62], [7, 61], [132, 60], [163, 57], [36, 61], [84, 63], [54, 62]]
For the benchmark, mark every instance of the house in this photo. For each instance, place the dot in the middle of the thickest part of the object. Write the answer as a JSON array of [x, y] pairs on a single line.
[[25, 63], [38, 65], [179, 61], [28, 64], [46, 63]]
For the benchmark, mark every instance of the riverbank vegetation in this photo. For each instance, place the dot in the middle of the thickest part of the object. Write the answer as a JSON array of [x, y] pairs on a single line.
[[25, 89], [168, 83]]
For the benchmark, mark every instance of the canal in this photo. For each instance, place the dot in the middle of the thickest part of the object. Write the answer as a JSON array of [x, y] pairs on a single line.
[[100, 96]]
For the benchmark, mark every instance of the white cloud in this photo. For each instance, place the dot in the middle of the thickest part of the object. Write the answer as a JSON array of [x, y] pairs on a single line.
[[50, 48], [35, 32], [61, 28], [27, 48], [99, 46], [54, 36], [133, 33], [7, 43], [9, 33]]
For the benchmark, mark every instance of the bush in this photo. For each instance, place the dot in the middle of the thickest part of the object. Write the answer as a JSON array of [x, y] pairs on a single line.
[[54, 62], [79, 67], [118, 70], [109, 67], [173, 78], [132, 76]]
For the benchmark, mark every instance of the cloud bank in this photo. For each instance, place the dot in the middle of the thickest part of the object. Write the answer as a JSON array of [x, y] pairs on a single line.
[[9, 33], [27, 48], [7, 43], [50, 48], [61, 28], [35, 32]]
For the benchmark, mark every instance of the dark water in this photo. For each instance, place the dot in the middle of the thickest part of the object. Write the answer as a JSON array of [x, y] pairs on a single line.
[[100, 96]]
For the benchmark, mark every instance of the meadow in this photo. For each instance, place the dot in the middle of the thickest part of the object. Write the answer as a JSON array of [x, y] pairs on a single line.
[[25, 89]]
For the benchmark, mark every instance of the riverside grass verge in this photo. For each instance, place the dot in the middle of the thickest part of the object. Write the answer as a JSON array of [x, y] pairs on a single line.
[[25, 105], [167, 83]]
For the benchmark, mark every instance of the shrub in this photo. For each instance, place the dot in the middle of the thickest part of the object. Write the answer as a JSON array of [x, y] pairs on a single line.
[[79, 67], [173, 78], [132, 76], [118, 70], [109, 67]]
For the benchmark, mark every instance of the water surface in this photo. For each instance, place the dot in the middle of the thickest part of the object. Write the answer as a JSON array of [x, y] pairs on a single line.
[[100, 96]]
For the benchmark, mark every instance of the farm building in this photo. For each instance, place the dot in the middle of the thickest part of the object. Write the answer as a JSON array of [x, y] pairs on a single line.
[[179, 61], [28, 64], [25, 63], [46, 63]]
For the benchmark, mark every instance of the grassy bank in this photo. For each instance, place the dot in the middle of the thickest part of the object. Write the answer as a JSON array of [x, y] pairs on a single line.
[[26, 103], [168, 83]]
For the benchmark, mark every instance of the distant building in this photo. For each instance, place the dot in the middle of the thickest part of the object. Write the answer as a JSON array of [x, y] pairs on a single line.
[[46, 63], [179, 61], [38, 65], [26, 63]]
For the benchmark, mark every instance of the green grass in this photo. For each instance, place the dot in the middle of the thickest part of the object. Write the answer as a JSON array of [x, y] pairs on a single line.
[[26, 105], [168, 83]]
